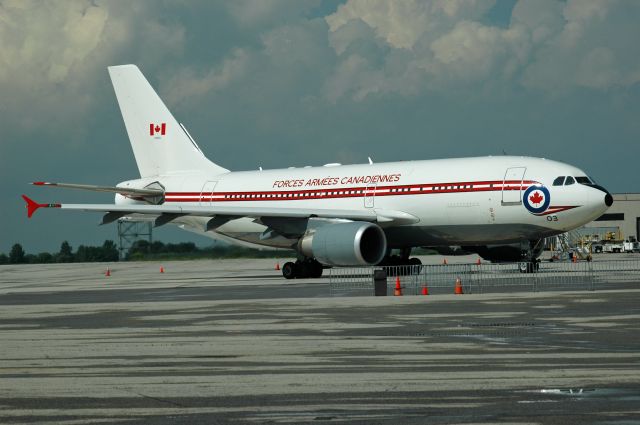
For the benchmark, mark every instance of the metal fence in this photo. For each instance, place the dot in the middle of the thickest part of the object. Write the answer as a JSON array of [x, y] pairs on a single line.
[[481, 278]]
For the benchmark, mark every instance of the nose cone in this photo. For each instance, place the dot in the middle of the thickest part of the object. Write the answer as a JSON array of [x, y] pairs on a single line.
[[599, 200], [608, 200]]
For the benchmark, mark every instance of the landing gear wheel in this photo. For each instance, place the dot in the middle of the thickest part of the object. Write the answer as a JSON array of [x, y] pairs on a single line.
[[529, 266], [316, 269], [289, 270], [303, 269], [415, 264]]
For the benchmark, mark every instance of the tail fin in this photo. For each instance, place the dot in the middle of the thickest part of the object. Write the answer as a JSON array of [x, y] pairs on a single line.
[[160, 144]]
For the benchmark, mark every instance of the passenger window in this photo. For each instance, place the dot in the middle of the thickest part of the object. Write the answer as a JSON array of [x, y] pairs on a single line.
[[569, 181], [558, 181]]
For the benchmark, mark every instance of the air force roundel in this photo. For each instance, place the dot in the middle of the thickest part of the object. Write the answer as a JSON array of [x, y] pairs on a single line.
[[536, 199]]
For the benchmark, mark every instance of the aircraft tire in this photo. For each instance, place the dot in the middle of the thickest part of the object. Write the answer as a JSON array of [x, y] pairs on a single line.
[[316, 269], [528, 266], [302, 269], [289, 270], [415, 263]]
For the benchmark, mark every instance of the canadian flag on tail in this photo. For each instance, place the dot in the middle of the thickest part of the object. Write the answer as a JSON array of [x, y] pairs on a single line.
[[157, 129]]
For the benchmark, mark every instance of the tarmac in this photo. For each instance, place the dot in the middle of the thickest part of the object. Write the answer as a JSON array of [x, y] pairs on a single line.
[[231, 341]]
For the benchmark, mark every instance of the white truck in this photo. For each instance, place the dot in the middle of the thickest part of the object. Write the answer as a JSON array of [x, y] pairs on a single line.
[[613, 247]]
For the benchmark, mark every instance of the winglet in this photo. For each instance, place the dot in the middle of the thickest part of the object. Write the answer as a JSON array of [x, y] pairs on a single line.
[[32, 205]]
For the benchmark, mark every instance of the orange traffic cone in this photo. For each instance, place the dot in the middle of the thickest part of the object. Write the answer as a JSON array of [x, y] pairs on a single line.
[[478, 262], [398, 291], [108, 272], [444, 262], [161, 269], [278, 265], [458, 288], [425, 290]]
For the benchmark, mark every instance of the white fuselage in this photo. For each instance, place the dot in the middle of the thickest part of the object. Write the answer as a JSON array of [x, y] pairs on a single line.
[[465, 201]]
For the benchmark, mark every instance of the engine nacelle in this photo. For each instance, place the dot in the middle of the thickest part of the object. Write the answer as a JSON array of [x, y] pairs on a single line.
[[346, 244]]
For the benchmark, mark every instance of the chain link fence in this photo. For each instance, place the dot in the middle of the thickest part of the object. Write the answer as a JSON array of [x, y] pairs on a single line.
[[483, 278]]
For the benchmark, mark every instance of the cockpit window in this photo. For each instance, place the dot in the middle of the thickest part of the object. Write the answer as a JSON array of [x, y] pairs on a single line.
[[584, 180], [569, 181], [558, 181]]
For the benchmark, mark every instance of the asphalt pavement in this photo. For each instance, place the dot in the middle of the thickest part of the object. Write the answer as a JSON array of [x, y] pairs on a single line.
[[232, 342]]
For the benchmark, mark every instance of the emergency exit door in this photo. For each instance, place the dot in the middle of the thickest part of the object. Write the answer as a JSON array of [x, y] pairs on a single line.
[[512, 186], [369, 196], [206, 194]]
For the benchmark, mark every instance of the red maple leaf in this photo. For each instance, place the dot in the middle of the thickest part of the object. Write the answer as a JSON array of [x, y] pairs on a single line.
[[536, 198]]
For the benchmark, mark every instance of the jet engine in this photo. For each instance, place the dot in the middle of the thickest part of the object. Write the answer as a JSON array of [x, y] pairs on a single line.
[[345, 244]]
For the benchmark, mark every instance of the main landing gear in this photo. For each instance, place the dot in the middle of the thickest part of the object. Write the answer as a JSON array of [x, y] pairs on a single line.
[[302, 269], [401, 264]]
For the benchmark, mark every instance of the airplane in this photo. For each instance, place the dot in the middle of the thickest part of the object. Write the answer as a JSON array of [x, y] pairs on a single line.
[[500, 207]]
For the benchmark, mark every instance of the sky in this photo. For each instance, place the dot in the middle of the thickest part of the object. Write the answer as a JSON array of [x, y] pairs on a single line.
[[279, 83]]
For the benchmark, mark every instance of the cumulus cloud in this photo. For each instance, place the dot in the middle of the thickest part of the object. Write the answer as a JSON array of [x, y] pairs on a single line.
[[448, 45], [252, 13], [55, 54], [47, 38], [187, 84], [595, 48], [402, 23]]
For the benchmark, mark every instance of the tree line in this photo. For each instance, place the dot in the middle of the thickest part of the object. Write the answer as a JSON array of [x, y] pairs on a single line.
[[139, 250], [107, 252]]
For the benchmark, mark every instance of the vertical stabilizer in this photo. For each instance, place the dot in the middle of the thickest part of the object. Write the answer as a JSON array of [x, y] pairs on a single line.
[[160, 144]]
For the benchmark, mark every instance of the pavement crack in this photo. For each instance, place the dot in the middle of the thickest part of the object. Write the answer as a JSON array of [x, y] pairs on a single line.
[[161, 400]]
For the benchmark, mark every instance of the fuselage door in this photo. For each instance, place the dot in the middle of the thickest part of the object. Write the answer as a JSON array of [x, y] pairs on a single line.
[[206, 195], [512, 186], [369, 196]]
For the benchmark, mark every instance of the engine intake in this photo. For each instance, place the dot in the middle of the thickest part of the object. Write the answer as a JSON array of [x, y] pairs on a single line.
[[346, 244]]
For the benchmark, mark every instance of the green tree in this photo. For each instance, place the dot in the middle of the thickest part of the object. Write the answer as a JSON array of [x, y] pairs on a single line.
[[4, 259], [16, 255], [66, 253], [158, 247], [109, 251], [44, 257], [83, 255]]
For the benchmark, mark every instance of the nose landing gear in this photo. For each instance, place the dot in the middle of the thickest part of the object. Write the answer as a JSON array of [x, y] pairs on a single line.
[[529, 266], [530, 262]]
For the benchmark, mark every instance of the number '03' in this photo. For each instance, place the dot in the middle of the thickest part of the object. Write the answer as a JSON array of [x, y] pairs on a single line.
[[552, 218]]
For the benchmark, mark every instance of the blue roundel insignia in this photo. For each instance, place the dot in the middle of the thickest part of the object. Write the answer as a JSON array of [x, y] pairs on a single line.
[[536, 199]]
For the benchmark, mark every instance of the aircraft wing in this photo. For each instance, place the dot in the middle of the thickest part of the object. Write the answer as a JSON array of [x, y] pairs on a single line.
[[165, 213]]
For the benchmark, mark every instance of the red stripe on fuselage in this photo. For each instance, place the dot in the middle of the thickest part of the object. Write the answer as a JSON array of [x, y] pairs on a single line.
[[349, 192]]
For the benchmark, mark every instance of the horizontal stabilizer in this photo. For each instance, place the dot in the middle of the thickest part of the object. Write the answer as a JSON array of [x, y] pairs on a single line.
[[32, 206], [125, 191]]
